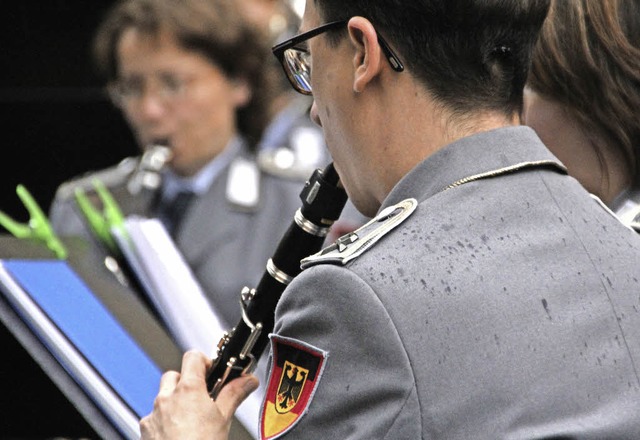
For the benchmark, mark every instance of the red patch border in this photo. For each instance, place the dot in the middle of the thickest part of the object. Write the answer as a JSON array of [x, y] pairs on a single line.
[[300, 345]]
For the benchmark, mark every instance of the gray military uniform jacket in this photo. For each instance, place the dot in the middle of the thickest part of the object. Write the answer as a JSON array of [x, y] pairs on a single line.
[[504, 307], [226, 244]]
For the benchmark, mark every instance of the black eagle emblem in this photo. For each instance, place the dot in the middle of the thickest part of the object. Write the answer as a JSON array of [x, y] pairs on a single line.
[[291, 384]]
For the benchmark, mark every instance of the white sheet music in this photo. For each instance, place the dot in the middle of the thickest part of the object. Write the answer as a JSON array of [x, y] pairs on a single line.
[[170, 283], [178, 297]]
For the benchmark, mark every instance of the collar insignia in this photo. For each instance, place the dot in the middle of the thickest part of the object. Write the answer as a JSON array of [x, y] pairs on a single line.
[[296, 368], [243, 184]]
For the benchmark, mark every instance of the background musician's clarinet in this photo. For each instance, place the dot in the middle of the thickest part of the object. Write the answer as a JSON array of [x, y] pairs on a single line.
[[239, 349], [147, 173]]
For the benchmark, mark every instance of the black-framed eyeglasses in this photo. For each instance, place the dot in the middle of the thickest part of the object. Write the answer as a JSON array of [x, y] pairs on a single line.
[[296, 60]]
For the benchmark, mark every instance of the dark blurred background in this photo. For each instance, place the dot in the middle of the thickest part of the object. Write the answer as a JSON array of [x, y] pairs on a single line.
[[56, 123], [56, 120]]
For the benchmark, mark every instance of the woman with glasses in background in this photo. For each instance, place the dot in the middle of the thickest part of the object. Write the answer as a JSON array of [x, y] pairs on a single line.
[[189, 74]]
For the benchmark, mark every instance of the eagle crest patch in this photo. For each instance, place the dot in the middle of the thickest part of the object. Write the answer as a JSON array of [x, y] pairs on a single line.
[[296, 368]]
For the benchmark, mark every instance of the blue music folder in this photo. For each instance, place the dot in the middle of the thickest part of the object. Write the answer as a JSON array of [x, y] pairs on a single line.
[[85, 336]]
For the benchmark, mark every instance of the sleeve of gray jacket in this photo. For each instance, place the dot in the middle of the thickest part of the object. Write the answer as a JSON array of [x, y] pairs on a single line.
[[367, 387]]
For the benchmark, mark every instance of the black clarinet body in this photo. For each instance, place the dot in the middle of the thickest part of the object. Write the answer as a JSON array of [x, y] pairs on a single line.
[[239, 349]]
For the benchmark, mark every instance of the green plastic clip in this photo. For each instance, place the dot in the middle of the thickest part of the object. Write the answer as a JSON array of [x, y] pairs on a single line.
[[38, 227], [102, 222]]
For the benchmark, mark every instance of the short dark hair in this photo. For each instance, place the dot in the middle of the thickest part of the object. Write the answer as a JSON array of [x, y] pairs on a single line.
[[588, 59], [212, 28], [470, 54]]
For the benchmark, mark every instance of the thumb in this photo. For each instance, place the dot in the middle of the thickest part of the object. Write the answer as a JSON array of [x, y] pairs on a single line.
[[235, 392]]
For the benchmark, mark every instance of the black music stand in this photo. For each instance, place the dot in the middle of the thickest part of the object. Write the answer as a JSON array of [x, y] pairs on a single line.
[[122, 302]]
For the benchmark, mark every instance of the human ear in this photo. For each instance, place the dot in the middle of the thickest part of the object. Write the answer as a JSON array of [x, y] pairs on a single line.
[[367, 59]]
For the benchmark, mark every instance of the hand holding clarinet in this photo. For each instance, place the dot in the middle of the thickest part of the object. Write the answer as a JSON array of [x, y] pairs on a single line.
[[203, 397]]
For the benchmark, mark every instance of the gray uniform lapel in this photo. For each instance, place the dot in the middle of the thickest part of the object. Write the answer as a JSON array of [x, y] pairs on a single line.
[[206, 222], [215, 215]]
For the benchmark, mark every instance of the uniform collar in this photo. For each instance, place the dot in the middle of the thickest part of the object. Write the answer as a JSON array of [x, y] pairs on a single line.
[[474, 155], [199, 183]]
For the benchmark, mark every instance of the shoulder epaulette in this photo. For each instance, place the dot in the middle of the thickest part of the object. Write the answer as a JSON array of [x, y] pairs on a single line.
[[243, 184], [353, 244]]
